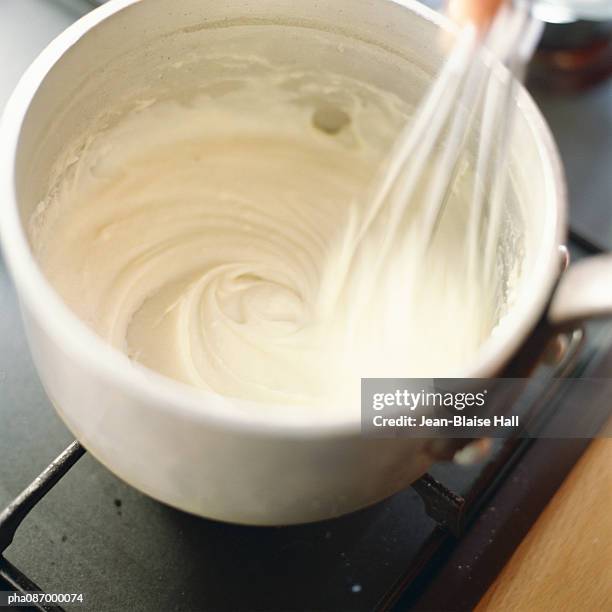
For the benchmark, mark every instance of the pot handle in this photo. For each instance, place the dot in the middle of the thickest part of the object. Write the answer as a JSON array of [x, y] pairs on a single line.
[[584, 292]]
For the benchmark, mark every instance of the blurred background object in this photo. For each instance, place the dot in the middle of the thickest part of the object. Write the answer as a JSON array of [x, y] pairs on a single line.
[[576, 49], [558, 11]]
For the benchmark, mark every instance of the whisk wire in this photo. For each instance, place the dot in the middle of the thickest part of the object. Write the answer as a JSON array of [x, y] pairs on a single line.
[[471, 99]]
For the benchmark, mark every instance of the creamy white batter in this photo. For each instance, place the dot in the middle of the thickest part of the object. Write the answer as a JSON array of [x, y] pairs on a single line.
[[201, 237]]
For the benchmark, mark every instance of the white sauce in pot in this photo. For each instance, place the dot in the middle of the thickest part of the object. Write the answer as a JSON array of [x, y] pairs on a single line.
[[194, 236]]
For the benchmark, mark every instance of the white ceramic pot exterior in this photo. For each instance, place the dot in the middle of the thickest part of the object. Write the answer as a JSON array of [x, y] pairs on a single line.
[[214, 469]]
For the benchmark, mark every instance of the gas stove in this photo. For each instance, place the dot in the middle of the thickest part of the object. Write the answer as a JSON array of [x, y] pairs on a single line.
[[435, 546]]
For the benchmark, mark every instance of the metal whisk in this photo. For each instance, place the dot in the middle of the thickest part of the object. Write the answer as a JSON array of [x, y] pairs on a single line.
[[473, 95], [470, 95]]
